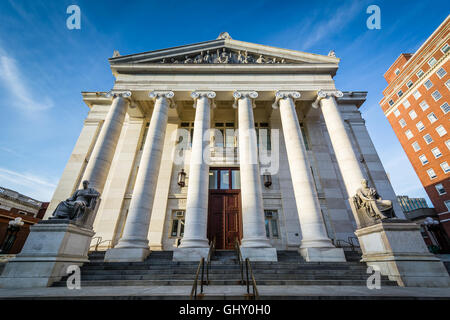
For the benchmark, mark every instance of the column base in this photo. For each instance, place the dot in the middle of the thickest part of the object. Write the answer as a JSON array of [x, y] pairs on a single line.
[[397, 250], [126, 254], [190, 254], [51, 247], [259, 254], [330, 254], [255, 243]]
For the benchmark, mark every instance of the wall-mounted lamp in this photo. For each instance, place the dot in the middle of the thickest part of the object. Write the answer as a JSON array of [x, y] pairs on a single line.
[[267, 179], [182, 178]]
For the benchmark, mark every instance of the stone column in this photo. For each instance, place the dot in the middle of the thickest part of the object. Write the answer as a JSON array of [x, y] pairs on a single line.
[[315, 244], [254, 244], [103, 153], [340, 140], [133, 245], [194, 244]]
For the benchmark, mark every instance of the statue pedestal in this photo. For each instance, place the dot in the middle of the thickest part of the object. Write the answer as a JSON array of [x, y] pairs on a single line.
[[51, 247], [398, 250]]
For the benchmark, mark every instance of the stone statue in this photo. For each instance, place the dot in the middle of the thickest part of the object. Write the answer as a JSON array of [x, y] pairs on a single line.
[[223, 57], [369, 201], [76, 206], [207, 58], [187, 59], [199, 58]]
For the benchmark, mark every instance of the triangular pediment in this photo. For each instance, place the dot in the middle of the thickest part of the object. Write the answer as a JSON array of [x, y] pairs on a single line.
[[223, 51]]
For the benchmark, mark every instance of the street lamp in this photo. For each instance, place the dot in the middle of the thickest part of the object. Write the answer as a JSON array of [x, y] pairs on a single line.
[[267, 179], [181, 178]]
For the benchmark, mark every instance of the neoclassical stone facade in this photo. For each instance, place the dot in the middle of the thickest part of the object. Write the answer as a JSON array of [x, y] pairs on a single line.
[[271, 149]]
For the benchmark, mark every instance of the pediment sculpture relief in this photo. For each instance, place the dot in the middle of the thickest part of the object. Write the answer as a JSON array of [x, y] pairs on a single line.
[[224, 56]]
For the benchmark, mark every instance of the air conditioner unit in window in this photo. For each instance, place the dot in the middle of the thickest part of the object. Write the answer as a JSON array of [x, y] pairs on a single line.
[[180, 214]]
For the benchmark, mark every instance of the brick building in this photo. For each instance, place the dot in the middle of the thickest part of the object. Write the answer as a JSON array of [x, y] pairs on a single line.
[[15, 205], [416, 103]]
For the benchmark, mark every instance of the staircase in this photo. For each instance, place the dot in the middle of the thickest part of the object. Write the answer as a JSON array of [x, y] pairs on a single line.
[[160, 270]]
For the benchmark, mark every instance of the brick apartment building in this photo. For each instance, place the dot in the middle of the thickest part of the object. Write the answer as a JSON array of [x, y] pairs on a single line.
[[16, 205], [416, 103]]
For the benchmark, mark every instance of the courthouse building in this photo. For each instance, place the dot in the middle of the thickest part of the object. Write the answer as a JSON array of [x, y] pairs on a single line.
[[163, 148], [416, 103]]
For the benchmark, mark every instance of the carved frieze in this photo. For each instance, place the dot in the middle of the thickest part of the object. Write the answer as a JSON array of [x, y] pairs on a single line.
[[224, 56]]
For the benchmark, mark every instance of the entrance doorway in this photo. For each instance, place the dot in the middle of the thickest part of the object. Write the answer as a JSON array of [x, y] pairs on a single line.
[[224, 207]]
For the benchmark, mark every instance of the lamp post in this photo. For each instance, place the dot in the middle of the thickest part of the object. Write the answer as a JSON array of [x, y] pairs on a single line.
[[11, 234], [431, 225], [181, 178]]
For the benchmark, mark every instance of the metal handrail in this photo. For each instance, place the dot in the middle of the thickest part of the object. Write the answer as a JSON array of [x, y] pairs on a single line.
[[255, 294], [99, 242], [241, 264], [212, 249], [248, 272], [201, 266]]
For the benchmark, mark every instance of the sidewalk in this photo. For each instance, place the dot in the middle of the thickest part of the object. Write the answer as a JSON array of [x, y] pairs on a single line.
[[228, 292]]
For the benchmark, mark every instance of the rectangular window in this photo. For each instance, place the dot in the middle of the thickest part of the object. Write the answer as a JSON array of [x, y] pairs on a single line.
[[428, 138], [445, 48], [397, 72], [424, 105], [409, 84], [432, 62], [396, 112], [400, 93], [224, 179], [406, 104], [445, 108], [447, 204], [428, 84], [177, 229], [271, 221], [409, 134], [416, 146], [441, 72], [416, 94], [447, 84], [420, 126], [436, 152], [441, 131], [213, 179], [445, 167], [447, 143], [391, 102], [432, 117], [436, 95], [412, 114], [423, 159], [235, 179], [431, 173], [419, 73], [402, 123], [440, 189]]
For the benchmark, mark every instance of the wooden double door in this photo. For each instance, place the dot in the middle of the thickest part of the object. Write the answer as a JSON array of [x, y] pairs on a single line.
[[224, 207]]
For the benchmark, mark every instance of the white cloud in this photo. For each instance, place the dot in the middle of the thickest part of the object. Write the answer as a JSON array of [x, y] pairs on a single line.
[[36, 187], [21, 94]]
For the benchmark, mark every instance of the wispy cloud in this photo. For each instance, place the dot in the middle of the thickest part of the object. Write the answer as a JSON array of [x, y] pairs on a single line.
[[40, 188], [12, 79]]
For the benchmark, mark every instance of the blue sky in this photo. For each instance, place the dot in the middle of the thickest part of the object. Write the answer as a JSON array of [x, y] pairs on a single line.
[[44, 66]]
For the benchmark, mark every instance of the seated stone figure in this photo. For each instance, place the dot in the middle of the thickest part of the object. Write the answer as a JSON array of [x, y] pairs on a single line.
[[77, 205], [368, 200]]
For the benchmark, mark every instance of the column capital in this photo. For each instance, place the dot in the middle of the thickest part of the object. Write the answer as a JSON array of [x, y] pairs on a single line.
[[116, 93], [155, 94], [244, 94], [281, 94], [203, 94], [322, 94]]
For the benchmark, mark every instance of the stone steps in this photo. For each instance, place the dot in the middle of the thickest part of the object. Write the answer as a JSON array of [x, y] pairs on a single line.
[[160, 270]]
